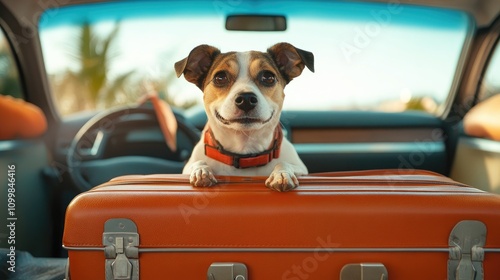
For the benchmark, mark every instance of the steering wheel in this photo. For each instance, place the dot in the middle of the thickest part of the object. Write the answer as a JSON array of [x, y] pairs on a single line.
[[91, 163]]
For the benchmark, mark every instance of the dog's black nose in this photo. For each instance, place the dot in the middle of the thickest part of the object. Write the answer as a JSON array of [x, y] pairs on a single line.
[[246, 101]]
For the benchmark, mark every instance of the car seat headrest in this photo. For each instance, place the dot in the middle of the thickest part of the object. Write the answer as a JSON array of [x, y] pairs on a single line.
[[20, 119]]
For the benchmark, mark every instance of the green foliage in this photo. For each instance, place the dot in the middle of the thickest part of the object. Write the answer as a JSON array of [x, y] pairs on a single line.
[[91, 87], [9, 76], [95, 56], [421, 103]]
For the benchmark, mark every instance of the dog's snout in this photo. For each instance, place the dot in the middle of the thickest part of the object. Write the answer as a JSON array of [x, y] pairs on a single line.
[[246, 101]]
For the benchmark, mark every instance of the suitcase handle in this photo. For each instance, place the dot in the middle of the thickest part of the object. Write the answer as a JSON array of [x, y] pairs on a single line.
[[364, 271]]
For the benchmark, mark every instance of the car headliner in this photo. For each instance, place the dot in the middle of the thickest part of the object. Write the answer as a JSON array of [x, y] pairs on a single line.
[[484, 11]]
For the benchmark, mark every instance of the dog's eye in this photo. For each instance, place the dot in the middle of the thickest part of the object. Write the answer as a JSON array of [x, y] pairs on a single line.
[[221, 79], [267, 78]]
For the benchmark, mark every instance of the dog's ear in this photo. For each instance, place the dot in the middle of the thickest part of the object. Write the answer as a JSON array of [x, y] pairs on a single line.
[[291, 60], [196, 65]]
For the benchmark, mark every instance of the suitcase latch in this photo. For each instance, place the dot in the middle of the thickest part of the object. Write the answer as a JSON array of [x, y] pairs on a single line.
[[121, 249], [364, 271], [466, 242], [227, 271]]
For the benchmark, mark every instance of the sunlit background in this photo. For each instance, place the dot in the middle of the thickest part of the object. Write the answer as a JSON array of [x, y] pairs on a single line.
[[367, 56]]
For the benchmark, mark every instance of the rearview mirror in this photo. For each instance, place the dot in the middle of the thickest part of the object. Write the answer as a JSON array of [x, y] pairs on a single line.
[[256, 23]]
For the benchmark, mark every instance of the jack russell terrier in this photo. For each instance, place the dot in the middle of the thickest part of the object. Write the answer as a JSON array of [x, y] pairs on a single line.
[[243, 96]]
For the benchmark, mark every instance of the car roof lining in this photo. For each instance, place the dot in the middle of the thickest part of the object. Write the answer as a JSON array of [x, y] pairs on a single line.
[[483, 11]]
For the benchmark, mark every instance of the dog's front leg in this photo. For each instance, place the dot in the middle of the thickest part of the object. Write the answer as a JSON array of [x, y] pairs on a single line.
[[202, 175], [282, 178]]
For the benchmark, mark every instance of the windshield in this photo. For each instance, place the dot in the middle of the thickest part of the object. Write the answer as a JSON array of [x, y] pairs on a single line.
[[377, 57]]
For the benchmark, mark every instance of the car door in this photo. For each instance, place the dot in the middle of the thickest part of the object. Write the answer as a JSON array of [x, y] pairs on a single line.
[[24, 193], [477, 158]]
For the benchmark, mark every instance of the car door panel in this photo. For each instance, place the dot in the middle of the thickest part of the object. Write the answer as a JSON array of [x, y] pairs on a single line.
[[477, 163], [335, 141]]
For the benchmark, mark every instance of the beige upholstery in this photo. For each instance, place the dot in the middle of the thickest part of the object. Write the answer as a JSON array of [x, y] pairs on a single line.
[[484, 119], [477, 159]]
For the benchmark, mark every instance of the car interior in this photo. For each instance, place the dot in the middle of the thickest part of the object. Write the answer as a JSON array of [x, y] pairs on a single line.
[[399, 85]]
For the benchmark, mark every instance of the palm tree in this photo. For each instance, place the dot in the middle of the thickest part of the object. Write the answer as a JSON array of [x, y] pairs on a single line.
[[91, 87], [95, 58]]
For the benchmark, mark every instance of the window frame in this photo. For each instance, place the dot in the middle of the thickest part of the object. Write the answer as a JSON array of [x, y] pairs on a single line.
[[495, 53]]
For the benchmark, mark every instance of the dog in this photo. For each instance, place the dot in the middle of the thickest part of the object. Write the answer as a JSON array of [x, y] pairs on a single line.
[[243, 94]]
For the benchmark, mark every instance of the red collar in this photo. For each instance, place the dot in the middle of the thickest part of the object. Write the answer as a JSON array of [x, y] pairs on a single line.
[[214, 150]]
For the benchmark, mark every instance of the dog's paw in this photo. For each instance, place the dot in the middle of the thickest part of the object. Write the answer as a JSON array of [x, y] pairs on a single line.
[[202, 177], [282, 181]]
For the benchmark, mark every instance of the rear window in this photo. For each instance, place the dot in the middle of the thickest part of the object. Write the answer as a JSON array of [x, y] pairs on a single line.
[[374, 57]]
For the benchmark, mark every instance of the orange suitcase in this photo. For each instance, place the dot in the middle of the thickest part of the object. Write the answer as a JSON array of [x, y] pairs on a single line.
[[386, 224]]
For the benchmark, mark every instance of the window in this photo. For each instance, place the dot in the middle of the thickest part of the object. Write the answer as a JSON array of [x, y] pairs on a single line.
[[9, 75], [368, 56], [491, 80]]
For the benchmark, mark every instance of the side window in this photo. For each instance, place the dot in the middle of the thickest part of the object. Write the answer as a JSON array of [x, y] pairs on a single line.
[[9, 74], [491, 80]]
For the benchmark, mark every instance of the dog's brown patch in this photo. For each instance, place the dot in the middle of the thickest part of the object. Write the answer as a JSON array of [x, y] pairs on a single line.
[[195, 66], [260, 62], [291, 60], [227, 62]]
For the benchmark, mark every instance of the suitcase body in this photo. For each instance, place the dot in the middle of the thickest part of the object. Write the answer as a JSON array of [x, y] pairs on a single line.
[[349, 225]]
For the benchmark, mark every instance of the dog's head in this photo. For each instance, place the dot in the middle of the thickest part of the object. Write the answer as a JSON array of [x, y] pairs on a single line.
[[244, 90]]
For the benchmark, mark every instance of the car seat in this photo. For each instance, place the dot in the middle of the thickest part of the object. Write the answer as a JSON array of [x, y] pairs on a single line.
[[477, 159]]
